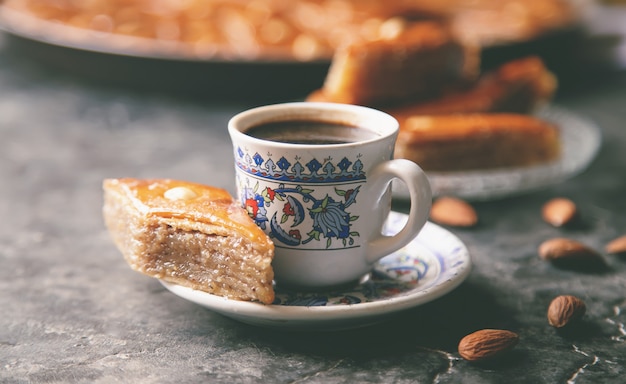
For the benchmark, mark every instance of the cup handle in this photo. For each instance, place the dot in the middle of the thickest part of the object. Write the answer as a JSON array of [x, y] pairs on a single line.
[[421, 200]]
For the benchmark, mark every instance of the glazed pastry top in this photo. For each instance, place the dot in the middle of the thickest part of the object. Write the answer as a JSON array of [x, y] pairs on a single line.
[[189, 204]]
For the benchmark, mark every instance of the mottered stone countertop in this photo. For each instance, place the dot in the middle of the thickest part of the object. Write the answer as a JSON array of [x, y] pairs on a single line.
[[72, 311]]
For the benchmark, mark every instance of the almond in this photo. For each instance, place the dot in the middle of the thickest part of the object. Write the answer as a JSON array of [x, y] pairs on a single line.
[[569, 253], [559, 211], [486, 344], [454, 212], [564, 310], [616, 246]]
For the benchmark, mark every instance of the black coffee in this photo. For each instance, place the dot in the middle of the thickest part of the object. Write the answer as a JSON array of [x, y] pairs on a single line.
[[310, 132]]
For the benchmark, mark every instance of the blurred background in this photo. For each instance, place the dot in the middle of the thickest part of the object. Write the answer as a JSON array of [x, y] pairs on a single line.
[[275, 50]]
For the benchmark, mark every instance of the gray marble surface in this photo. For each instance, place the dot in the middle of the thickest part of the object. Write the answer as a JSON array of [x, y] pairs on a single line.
[[72, 311]]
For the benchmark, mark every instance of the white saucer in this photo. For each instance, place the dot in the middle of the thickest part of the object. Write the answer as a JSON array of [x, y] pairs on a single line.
[[432, 265], [580, 141]]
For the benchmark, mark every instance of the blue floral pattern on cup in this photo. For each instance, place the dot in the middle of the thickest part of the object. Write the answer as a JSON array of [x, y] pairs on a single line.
[[330, 218]]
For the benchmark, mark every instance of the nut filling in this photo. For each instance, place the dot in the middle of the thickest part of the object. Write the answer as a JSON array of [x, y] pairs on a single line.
[[228, 266]]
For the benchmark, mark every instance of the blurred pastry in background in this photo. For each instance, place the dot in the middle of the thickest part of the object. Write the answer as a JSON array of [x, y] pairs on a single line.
[[519, 86], [299, 30], [477, 141], [409, 61], [499, 22], [452, 117], [291, 30]]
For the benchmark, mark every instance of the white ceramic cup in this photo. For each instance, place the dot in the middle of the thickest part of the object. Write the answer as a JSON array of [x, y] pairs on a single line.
[[325, 205]]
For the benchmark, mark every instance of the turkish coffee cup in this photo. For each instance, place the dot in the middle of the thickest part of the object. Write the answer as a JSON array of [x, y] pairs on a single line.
[[316, 177]]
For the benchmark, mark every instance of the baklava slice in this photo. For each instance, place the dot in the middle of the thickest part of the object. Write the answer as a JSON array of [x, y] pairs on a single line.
[[411, 60], [518, 86], [191, 235], [477, 141]]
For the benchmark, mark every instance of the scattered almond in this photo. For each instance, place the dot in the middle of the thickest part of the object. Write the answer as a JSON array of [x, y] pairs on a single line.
[[454, 212], [486, 344], [559, 211], [616, 246], [567, 252], [564, 310]]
